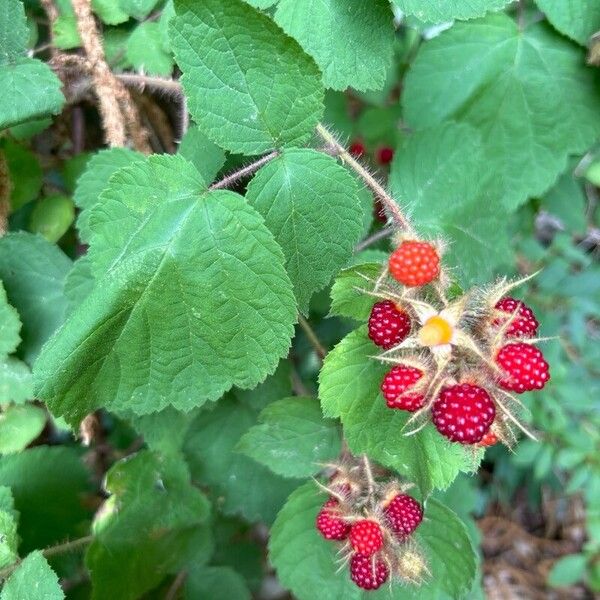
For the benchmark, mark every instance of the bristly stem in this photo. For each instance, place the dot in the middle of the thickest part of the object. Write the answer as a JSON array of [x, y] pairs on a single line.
[[244, 171], [369, 474], [49, 552], [390, 204]]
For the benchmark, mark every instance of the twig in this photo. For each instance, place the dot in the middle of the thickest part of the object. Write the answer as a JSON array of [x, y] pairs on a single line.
[[49, 552], [372, 239], [243, 172], [312, 337], [176, 585], [390, 204], [52, 13], [116, 107], [159, 84]]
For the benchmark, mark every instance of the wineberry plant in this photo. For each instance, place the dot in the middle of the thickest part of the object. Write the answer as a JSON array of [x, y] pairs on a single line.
[[299, 299]]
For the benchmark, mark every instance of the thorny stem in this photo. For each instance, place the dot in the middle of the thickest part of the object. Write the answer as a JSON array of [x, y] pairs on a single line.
[[244, 171], [379, 190], [312, 337], [52, 551]]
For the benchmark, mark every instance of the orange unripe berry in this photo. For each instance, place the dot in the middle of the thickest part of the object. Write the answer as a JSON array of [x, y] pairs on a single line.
[[414, 263]]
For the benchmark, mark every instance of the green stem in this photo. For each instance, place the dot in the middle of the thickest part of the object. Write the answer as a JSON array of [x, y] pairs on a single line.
[[312, 337], [49, 552]]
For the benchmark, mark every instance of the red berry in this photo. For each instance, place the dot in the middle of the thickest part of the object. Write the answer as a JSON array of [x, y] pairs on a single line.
[[385, 155], [397, 382], [366, 537], [489, 439], [525, 367], [404, 514], [368, 573], [414, 263], [524, 324], [388, 325], [330, 524], [357, 148], [463, 413]]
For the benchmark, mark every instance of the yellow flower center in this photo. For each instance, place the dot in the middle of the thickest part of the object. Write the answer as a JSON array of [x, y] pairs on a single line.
[[435, 332]]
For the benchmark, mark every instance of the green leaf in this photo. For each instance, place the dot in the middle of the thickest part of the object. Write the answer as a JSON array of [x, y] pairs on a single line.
[[33, 580], [438, 11], [10, 325], [346, 298], [349, 389], [353, 47], [66, 34], [216, 583], [248, 92], [33, 272], [14, 33], [436, 178], [52, 217], [528, 93], [154, 521], [24, 171], [110, 11], [146, 51], [98, 171], [567, 571], [310, 204], [37, 475], [262, 4], [19, 426], [292, 438], [183, 260], [240, 485], [79, 282], [8, 529], [578, 19], [205, 155], [274, 387], [16, 383], [29, 90], [308, 566], [163, 432], [566, 200], [138, 9]]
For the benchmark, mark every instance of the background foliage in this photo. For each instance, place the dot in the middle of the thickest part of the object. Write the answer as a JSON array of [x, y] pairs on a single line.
[[181, 342]]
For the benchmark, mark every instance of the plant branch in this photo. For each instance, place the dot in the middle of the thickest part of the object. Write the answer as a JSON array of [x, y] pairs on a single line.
[[52, 13], [158, 84], [52, 551], [312, 337], [243, 172], [374, 238], [390, 204], [176, 585], [115, 104]]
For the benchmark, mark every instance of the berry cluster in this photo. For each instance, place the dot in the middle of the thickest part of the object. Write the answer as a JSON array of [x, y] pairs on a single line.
[[456, 363], [374, 521]]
